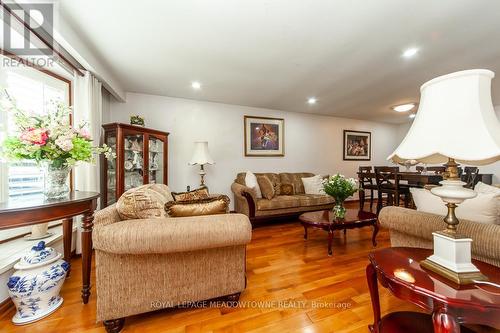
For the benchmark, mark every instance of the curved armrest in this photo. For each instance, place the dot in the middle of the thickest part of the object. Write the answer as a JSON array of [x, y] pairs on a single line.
[[173, 234], [246, 196], [106, 216]]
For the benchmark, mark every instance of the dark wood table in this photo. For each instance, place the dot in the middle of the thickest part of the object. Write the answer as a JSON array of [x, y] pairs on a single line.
[[325, 220], [450, 305], [34, 210], [412, 178]]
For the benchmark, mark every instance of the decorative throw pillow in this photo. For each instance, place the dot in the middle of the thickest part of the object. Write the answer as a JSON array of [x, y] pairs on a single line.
[[287, 189], [313, 185], [251, 181], [209, 206], [484, 208], [144, 202], [200, 193], [266, 187], [485, 188]]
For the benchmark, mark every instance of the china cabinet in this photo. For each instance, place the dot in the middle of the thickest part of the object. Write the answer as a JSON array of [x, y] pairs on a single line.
[[141, 158]]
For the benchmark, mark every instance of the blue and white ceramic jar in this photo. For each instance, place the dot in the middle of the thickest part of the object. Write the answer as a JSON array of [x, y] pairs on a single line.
[[34, 287]]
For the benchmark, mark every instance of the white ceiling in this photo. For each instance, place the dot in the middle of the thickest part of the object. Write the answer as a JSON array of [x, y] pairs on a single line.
[[277, 53]]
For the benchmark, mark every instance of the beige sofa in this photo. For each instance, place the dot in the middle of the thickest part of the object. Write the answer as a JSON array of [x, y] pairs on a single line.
[[256, 209], [146, 265], [408, 227]]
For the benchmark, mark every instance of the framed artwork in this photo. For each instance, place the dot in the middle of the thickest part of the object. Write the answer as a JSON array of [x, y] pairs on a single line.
[[264, 136], [357, 146]]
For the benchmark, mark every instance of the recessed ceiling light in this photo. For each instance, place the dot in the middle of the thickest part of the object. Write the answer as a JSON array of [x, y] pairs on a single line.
[[403, 107], [412, 116], [311, 100], [408, 53], [196, 85]]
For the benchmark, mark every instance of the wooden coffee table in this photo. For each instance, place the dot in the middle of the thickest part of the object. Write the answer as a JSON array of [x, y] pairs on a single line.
[[448, 305], [324, 220]]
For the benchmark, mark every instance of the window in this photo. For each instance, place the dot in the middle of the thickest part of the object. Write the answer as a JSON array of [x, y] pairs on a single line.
[[32, 90]]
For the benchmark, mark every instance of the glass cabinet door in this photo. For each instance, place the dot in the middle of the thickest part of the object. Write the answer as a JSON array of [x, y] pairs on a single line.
[[111, 169], [133, 160], [156, 166]]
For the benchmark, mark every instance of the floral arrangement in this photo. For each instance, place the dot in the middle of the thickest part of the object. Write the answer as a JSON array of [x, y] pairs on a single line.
[[136, 120], [49, 138], [340, 187]]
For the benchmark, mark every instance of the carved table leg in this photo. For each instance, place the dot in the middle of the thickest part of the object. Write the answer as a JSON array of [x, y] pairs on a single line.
[[371, 277], [87, 224], [114, 325], [305, 231], [444, 322], [375, 232], [67, 235], [330, 240]]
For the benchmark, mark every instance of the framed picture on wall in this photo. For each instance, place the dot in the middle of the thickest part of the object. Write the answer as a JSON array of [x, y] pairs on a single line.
[[357, 146], [264, 136]]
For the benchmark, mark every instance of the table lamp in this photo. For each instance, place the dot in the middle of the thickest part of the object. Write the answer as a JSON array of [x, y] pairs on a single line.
[[201, 156], [455, 122]]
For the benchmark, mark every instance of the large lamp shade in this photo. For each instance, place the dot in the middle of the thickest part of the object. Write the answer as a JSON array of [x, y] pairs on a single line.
[[455, 119], [201, 155]]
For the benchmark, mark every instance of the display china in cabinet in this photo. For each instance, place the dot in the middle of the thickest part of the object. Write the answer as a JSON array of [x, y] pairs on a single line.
[[137, 149]]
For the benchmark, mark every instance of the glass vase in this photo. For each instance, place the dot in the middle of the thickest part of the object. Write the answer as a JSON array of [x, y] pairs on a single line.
[[56, 181], [339, 210]]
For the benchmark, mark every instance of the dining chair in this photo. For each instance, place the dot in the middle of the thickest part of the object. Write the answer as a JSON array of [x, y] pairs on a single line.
[[469, 176], [366, 183], [387, 179]]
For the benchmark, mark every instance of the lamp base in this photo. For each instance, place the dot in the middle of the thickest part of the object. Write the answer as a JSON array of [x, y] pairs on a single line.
[[452, 259]]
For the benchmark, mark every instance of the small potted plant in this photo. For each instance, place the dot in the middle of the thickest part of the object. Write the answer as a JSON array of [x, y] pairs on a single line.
[[52, 142], [137, 120], [340, 188]]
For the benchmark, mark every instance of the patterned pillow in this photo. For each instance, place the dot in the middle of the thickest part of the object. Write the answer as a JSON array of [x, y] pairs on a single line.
[[287, 189], [144, 202], [209, 206], [201, 193], [266, 187]]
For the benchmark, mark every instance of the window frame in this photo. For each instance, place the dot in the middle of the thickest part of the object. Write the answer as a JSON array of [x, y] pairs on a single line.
[[70, 103]]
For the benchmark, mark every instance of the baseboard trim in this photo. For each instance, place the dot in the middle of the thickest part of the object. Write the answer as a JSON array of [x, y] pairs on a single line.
[[5, 306]]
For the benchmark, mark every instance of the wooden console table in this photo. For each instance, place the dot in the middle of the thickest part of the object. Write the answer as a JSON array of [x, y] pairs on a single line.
[[450, 305], [34, 210]]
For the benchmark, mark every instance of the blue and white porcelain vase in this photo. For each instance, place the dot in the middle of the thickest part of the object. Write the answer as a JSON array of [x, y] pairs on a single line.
[[34, 287]]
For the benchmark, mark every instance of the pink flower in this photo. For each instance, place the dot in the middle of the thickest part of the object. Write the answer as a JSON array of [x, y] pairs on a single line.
[[36, 136], [84, 133]]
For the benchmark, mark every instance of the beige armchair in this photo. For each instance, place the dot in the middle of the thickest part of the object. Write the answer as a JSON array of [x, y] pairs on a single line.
[[146, 265]]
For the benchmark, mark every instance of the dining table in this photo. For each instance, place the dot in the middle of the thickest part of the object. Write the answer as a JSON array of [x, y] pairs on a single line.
[[409, 178]]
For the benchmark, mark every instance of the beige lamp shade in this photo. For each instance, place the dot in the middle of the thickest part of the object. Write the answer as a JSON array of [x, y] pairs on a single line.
[[201, 155], [455, 119]]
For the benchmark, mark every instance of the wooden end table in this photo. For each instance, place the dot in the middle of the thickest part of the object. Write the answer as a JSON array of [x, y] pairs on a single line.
[[34, 210], [325, 220], [398, 269]]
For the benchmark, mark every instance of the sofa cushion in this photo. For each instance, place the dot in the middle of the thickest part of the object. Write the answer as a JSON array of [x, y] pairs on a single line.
[[144, 202], [314, 199], [207, 206], [484, 208], [313, 185], [266, 187], [295, 179], [287, 189], [278, 202], [252, 182], [200, 193]]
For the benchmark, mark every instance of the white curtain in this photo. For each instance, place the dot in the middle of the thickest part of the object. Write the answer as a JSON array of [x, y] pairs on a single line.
[[87, 106]]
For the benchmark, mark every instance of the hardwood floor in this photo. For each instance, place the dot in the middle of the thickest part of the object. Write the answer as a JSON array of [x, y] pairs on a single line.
[[318, 293]]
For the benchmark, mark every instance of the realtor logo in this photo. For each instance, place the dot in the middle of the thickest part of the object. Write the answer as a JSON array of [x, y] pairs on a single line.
[[28, 28]]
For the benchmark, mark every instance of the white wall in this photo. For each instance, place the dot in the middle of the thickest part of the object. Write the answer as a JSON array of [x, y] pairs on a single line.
[[313, 143], [492, 168]]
